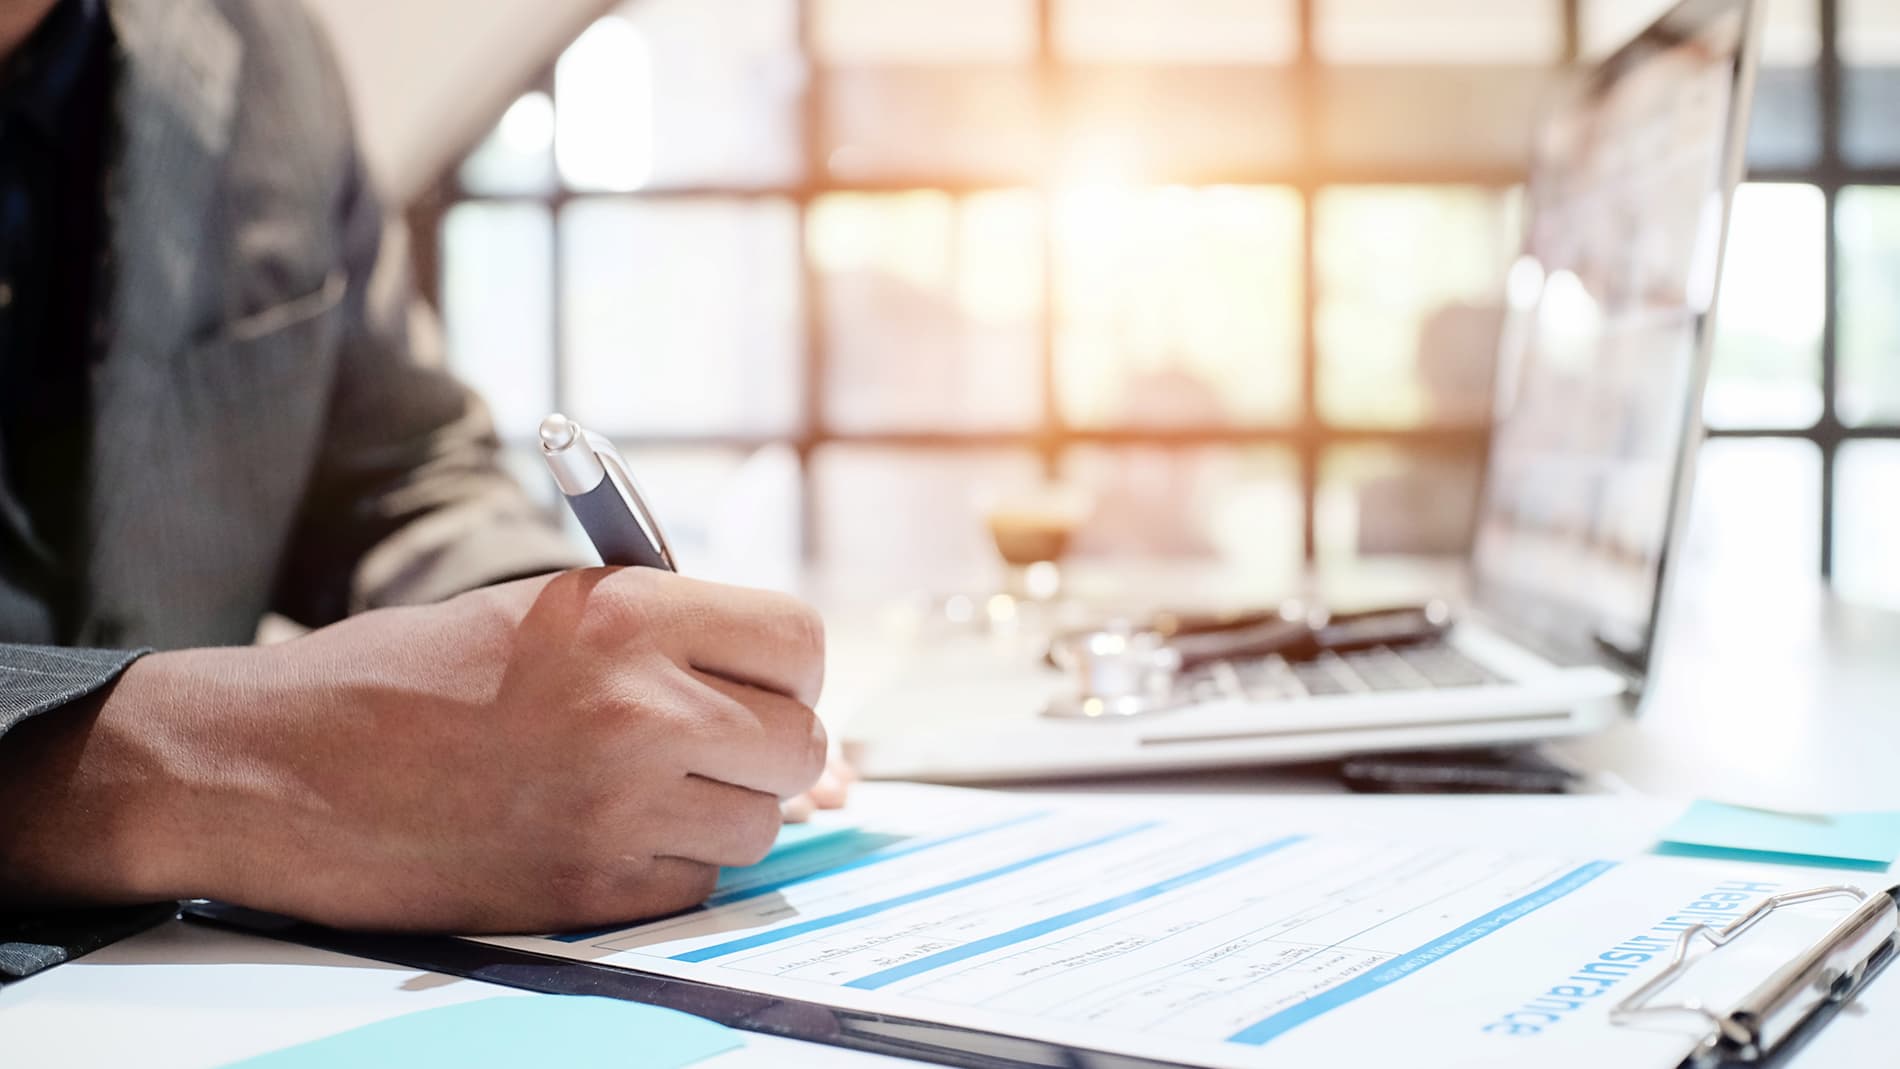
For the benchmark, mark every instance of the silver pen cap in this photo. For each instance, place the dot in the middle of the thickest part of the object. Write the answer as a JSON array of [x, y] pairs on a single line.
[[572, 461]]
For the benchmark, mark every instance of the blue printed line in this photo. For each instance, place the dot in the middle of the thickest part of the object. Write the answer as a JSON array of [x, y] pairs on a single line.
[[1410, 962], [1063, 920], [740, 894], [750, 942]]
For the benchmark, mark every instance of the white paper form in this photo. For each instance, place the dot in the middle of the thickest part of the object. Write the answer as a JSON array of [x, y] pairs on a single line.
[[1221, 943]]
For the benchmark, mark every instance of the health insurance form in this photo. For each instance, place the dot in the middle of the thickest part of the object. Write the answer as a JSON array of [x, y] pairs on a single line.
[[1216, 943]]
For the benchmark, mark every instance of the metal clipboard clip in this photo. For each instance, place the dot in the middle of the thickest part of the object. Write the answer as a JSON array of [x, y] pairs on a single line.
[[1779, 1016]]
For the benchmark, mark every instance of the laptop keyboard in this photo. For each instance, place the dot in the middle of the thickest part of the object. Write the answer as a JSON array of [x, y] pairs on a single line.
[[1381, 669]]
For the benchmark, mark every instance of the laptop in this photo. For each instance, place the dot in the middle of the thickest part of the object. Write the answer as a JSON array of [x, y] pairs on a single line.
[[1601, 363]]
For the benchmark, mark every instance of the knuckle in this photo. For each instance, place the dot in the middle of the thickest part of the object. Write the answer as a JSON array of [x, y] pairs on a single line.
[[585, 889], [591, 811], [817, 747], [643, 703], [693, 884], [790, 620], [700, 886], [807, 631], [633, 601], [800, 635], [706, 715]]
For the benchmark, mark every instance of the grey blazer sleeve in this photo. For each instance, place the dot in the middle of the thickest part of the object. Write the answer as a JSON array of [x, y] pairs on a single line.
[[408, 502], [38, 679], [35, 680]]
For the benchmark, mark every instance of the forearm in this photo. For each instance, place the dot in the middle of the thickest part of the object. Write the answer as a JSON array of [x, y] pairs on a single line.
[[102, 799], [557, 752]]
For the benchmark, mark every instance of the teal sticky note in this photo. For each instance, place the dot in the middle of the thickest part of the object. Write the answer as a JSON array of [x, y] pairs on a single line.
[[793, 837], [574, 1032], [1717, 830], [801, 852]]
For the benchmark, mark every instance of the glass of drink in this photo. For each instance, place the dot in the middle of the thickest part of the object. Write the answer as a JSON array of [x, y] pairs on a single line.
[[1032, 529]]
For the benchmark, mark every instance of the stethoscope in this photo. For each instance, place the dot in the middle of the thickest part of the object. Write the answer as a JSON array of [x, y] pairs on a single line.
[[1122, 669]]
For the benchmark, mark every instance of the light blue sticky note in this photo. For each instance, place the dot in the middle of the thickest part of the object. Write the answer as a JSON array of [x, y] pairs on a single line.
[[1717, 830], [571, 1031]]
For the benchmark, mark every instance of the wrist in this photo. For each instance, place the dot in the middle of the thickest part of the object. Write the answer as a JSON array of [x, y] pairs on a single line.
[[114, 793]]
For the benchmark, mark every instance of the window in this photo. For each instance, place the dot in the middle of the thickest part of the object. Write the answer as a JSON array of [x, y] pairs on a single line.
[[1766, 367], [933, 305], [1870, 81], [680, 317], [1868, 303], [1177, 307], [851, 265], [1409, 301]]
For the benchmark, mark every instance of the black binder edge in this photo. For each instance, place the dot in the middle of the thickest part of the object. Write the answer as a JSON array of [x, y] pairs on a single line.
[[876, 1033], [1810, 1025]]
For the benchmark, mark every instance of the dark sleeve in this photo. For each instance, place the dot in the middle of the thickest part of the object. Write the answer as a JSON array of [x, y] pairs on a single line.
[[409, 502], [39, 679], [36, 680], [39, 940]]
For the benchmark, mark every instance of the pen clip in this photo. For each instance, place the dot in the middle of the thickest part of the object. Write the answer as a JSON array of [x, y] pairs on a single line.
[[622, 477]]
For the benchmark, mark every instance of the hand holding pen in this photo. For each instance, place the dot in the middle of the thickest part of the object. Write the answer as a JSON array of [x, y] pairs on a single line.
[[600, 489], [564, 751]]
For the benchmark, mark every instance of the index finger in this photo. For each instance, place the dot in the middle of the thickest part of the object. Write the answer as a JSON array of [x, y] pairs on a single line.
[[755, 739], [759, 638]]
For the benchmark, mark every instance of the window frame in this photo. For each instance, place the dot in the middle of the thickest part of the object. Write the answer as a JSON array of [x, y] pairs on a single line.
[[1309, 436]]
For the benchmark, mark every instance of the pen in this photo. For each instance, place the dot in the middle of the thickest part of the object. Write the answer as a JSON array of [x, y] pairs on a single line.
[[598, 487]]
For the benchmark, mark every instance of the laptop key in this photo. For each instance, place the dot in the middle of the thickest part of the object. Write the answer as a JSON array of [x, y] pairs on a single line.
[[1318, 680], [1267, 679], [1446, 667], [1382, 670]]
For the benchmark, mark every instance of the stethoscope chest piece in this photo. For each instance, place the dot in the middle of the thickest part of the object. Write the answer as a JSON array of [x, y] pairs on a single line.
[[1115, 671]]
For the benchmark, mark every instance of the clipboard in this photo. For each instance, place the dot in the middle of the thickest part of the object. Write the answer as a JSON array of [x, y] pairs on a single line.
[[1779, 1016], [1764, 1030]]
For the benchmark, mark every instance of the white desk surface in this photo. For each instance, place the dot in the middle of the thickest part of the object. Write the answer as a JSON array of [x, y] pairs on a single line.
[[1790, 704]]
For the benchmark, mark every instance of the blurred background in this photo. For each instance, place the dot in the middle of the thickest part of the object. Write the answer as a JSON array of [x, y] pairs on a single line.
[[836, 272]]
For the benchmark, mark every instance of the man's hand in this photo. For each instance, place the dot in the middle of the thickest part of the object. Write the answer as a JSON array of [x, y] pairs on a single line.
[[552, 753]]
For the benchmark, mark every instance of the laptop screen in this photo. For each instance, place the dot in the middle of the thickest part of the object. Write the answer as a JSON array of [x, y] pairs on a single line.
[[1605, 340]]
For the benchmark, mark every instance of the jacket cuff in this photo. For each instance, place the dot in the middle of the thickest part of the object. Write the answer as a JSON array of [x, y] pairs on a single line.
[[37, 679]]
